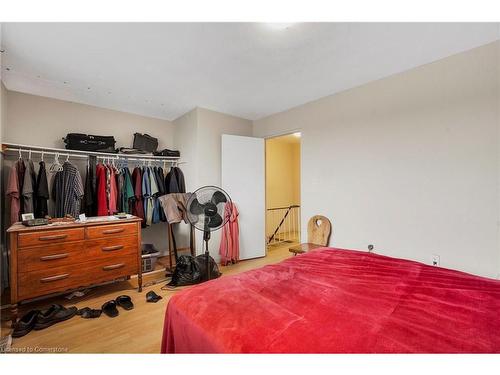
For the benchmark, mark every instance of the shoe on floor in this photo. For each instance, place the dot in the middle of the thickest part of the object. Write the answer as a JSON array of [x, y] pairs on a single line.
[[109, 308], [25, 324], [125, 302], [88, 313], [54, 314], [153, 297]]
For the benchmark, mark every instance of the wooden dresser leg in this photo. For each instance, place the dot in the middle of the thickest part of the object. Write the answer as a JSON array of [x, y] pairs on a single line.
[[139, 281], [13, 313]]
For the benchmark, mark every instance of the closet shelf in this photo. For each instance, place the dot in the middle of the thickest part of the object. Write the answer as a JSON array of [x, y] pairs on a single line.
[[6, 147]]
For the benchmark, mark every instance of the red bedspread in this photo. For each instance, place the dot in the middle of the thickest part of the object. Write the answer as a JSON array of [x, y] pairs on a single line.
[[337, 301]]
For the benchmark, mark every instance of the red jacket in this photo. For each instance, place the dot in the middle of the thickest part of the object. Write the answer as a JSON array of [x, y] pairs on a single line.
[[137, 207], [102, 199], [229, 249]]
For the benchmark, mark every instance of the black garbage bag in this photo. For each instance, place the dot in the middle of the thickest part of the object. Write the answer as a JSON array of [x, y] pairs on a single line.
[[193, 270]]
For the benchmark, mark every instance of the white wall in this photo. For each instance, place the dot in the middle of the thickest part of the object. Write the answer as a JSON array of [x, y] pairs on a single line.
[[409, 163], [198, 135], [186, 140], [211, 126], [36, 120]]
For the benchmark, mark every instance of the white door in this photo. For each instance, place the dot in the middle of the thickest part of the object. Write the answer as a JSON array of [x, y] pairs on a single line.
[[243, 177]]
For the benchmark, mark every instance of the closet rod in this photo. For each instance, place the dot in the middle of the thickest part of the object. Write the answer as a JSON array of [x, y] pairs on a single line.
[[118, 157], [78, 153], [44, 152]]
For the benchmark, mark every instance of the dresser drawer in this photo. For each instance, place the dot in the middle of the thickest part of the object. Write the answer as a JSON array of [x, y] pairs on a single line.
[[47, 237], [58, 279], [39, 258], [104, 231], [110, 269], [113, 247]]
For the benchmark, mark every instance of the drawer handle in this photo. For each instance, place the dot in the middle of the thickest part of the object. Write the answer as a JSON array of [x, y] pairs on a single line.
[[113, 267], [56, 237], [55, 256], [54, 278], [112, 231], [112, 248]]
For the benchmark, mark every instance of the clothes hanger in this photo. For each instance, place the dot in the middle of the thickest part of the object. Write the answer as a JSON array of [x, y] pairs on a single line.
[[54, 167]]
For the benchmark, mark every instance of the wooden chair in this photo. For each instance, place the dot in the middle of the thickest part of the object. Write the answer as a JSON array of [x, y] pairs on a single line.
[[319, 229]]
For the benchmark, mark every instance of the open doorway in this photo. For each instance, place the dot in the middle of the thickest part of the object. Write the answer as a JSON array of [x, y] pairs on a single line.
[[282, 191]]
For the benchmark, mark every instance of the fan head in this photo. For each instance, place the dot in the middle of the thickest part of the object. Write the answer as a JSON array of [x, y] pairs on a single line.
[[206, 208]]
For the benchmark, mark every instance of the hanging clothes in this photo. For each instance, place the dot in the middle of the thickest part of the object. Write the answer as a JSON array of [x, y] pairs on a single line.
[[42, 192], [68, 191], [13, 191], [113, 191], [120, 182], [21, 170], [175, 206], [161, 188], [174, 181], [154, 192], [89, 204], [147, 196], [229, 248], [28, 191], [171, 184], [127, 193], [73, 189], [137, 207], [160, 178], [57, 194], [180, 180], [101, 193]]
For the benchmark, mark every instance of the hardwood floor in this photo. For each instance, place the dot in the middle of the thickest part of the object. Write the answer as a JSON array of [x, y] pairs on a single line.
[[135, 331]]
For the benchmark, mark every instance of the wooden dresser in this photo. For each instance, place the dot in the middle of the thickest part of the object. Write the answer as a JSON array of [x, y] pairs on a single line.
[[56, 258]]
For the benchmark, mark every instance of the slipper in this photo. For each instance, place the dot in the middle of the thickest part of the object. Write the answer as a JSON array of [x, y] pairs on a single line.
[[109, 308], [88, 313], [125, 302], [153, 297]]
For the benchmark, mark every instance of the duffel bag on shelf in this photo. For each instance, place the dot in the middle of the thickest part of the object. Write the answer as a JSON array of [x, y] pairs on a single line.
[[145, 142], [87, 142], [167, 152]]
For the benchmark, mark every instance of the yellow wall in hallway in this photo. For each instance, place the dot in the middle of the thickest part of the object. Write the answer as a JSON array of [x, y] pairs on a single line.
[[282, 172]]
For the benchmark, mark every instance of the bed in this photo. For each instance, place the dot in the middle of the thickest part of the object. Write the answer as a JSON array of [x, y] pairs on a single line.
[[337, 301]]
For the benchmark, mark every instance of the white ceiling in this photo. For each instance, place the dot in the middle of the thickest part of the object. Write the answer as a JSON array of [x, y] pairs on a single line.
[[249, 70]]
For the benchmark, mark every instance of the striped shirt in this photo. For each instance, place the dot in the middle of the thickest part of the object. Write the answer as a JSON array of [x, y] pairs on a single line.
[[67, 191]]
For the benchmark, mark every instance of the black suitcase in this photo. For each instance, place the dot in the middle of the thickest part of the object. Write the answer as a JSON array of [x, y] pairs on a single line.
[[145, 142], [87, 142]]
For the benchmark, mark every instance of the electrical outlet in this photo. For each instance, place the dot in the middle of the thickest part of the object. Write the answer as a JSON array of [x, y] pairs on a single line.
[[435, 260]]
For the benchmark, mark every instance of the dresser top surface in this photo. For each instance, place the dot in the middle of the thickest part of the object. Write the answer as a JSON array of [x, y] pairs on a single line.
[[19, 227]]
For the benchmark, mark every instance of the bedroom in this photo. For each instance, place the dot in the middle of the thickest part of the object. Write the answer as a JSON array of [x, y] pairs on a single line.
[[167, 176]]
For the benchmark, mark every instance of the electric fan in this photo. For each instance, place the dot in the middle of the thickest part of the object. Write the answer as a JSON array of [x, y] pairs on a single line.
[[205, 211]]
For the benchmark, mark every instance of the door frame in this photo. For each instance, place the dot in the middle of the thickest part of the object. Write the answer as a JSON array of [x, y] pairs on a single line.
[[278, 135]]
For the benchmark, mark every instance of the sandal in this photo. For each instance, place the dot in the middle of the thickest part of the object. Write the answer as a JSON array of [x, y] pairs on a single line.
[[153, 297], [125, 302], [109, 308], [88, 313]]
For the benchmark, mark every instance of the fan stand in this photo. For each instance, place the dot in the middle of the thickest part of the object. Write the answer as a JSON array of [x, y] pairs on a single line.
[[206, 238]]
